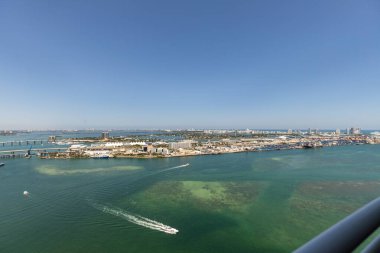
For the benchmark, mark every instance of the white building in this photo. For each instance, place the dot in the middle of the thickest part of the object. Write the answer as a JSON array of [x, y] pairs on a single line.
[[113, 144], [182, 144], [77, 147], [163, 151], [97, 153], [137, 143]]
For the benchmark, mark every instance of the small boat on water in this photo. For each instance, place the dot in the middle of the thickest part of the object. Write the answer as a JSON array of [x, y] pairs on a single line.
[[100, 156], [2, 164], [312, 145]]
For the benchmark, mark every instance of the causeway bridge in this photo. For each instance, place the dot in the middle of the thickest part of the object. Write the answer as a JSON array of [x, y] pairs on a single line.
[[21, 152], [23, 143]]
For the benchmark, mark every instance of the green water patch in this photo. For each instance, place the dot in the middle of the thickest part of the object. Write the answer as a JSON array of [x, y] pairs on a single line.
[[334, 197], [205, 195], [205, 211], [54, 171], [276, 216], [236, 196], [280, 163], [249, 215]]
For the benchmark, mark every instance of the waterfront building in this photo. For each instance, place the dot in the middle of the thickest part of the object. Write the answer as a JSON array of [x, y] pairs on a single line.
[[154, 150], [290, 131], [113, 144], [77, 147], [337, 131], [136, 143], [182, 144], [97, 153]]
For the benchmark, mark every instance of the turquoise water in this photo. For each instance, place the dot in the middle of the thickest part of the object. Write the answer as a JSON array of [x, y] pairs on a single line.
[[244, 202]]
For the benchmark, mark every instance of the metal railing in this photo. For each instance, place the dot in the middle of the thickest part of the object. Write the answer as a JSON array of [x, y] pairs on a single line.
[[349, 233]]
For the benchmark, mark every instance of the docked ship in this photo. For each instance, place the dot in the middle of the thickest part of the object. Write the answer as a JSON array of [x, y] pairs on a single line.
[[312, 145], [100, 156]]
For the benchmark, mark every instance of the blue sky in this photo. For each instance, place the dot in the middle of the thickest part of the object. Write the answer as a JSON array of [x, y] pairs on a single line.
[[184, 64]]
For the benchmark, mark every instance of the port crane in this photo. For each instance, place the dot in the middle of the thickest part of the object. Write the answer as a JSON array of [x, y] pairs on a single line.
[[28, 154]]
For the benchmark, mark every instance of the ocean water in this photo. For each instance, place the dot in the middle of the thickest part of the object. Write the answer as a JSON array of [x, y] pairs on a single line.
[[243, 202]]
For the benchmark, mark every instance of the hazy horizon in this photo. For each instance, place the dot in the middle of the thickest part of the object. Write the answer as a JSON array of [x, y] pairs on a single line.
[[179, 129]]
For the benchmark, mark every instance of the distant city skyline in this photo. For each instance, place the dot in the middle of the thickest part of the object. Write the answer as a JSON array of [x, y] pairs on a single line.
[[107, 130], [189, 64]]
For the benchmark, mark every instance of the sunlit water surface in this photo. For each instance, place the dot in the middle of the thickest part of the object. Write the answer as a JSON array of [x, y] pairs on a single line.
[[244, 202]]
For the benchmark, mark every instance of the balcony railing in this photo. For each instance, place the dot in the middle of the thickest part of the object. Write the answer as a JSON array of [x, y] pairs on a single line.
[[349, 233]]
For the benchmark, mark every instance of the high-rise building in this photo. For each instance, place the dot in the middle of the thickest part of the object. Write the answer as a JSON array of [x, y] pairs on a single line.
[[105, 135], [337, 131], [355, 130]]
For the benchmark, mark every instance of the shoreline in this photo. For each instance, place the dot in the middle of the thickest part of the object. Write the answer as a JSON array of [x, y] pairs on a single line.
[[202, 144], [198, 154]]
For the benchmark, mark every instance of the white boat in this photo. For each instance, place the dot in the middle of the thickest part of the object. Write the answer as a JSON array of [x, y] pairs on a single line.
[[100, 156], [2, 164]]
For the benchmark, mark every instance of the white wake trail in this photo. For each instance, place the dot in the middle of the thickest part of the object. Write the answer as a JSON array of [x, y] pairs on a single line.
[[136, 219], [176, 167]]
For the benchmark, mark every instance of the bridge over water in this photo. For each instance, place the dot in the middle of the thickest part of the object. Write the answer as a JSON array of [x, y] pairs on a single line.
[[21, 152], [23, 143]]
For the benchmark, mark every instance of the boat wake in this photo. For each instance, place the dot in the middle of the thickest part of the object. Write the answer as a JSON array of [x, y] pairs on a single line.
[[176, 167], [136, 219]]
